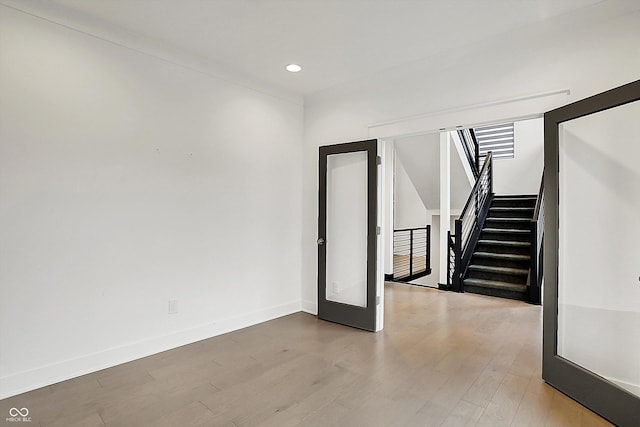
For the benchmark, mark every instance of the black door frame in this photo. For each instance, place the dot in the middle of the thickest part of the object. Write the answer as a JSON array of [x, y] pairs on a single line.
[[610, 401], [358, 317]]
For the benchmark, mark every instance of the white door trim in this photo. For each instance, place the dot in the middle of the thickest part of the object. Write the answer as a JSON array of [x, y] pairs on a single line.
[[502, 110]]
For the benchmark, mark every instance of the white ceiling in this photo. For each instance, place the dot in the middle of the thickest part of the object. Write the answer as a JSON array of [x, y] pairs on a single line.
[[336, 41]]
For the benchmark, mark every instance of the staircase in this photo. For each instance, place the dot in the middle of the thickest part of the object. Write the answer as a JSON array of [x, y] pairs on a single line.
[[500, 262]]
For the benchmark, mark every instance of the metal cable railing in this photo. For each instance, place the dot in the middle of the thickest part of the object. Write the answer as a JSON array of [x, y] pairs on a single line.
[[411, 253], [468, 227]]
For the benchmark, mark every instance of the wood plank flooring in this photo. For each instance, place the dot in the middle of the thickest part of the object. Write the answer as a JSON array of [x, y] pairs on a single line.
[[443, 359]]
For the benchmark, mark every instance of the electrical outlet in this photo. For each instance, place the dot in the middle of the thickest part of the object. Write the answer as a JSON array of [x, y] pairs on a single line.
[[173, 306]]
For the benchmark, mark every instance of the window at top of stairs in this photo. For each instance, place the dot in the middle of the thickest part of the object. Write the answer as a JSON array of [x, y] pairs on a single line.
[[495, 138]]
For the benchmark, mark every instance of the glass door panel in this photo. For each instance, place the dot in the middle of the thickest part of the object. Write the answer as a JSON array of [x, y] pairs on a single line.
[[599, 244], [591, 322], [346, 234]]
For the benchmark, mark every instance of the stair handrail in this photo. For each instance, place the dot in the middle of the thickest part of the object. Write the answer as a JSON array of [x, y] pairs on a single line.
[[537, 243], [471, 221], [471, 150]]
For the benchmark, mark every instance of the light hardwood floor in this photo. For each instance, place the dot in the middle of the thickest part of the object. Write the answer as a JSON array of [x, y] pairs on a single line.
[[443, 359]]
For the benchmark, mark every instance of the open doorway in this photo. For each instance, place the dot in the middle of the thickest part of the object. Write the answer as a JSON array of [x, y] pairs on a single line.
[[420, 167]]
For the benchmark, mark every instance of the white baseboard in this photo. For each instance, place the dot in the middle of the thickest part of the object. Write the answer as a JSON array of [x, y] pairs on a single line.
[[22, 382], [310, 307]]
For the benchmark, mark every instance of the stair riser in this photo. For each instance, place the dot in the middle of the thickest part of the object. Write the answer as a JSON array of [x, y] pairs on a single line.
[[499, 277], [496, 292], [515, 225], [499, 262], [506, 237], [498, 213], [514, 203], [500, 249]]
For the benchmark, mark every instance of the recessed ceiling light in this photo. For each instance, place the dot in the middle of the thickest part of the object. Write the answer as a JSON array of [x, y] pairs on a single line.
[[293, 68]]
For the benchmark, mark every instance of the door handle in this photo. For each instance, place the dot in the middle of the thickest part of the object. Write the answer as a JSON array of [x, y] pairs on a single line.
[[320, 241]]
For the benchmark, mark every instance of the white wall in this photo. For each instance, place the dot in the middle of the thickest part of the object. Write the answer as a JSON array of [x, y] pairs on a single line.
[[409, 211], [599, 231], [585, 58], [434, 220], [420, 156], [127, 181], [521, 175]]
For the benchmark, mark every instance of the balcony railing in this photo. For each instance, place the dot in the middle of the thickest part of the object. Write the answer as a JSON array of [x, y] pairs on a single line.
[[411, 253]]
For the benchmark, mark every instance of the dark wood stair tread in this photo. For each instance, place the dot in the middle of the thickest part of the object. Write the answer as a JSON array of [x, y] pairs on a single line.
[[516, 198], [500, 270], [511, 257], [509, 208], [493, 284], [504, 243], [506, 230]]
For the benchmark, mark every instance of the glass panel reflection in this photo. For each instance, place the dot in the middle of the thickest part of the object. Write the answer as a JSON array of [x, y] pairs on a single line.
[[346, 235]]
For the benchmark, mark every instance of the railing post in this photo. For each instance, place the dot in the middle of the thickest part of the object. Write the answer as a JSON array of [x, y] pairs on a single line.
[[410, 252], [449, 272], [449, 260], [533, 276], [476, 149], [477, 204], [428, 248], [457, 273], [490, 172], [537, 237]]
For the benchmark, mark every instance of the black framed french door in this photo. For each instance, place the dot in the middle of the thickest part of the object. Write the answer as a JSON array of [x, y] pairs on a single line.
[[347, 234], [591, 320]]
